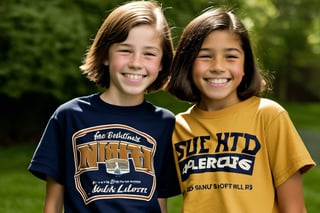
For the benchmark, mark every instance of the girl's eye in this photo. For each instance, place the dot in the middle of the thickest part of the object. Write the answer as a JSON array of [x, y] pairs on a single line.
[[124, 51], [204, 56], [231, 56]]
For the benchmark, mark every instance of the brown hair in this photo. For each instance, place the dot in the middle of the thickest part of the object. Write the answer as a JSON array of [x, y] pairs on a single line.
[[181, 83], [116, 28]]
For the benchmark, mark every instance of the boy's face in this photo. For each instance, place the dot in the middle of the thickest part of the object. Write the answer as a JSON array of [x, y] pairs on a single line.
[[218, 69], [135, 63]]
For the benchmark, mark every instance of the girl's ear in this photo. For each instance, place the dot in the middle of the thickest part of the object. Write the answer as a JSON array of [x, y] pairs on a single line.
[[106, 62], [160, 67]]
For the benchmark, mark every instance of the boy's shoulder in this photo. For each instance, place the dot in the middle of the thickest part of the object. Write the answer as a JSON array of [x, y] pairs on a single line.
[[81, 100], [161, 111]]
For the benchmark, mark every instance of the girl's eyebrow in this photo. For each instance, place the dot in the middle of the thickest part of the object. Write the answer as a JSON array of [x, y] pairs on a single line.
[[233, 49], [226, 49], [205, 49]]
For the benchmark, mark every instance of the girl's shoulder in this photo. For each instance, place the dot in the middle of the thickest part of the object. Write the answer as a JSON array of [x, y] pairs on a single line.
[[268, 109], [265, 104]]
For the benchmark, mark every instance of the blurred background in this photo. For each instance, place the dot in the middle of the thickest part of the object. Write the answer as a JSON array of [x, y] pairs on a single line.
[[42, 45]]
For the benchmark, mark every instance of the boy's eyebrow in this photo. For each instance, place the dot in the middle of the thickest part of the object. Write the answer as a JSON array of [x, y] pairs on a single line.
[[123, 45], [146, 47]]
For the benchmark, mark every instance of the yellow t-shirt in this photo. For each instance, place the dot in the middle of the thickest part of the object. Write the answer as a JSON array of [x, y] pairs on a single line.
[[231, 160]]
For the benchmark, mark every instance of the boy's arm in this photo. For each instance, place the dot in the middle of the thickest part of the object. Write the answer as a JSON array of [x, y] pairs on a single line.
[[54, 197], [163, 204], [290, 195]]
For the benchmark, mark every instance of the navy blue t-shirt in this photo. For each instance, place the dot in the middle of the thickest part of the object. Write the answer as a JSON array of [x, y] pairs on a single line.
[[108, 158]]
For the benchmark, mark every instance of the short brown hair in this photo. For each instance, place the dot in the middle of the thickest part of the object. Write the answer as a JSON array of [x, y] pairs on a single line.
[[181, 83], [116, 28]]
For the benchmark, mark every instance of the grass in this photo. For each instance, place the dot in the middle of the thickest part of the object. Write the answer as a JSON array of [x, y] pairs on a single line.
[[304, 115], [312, 190], [19, 190], [22, 192]]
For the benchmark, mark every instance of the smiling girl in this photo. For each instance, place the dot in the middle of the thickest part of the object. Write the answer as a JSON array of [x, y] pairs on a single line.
[[235, 152]]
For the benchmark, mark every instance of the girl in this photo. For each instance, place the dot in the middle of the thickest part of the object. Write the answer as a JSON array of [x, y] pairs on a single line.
[[234, 151], [111, 152]]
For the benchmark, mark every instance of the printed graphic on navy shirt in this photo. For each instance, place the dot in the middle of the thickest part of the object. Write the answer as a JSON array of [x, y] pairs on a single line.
[[114, 161]]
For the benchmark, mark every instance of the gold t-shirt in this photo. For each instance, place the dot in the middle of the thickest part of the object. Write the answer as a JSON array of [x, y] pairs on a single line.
[[231, 160]]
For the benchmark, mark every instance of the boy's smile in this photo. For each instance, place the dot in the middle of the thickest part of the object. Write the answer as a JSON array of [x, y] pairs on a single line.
[[134, 65]]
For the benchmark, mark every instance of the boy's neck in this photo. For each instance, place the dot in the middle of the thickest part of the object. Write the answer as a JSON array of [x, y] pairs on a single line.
[[118, 100]]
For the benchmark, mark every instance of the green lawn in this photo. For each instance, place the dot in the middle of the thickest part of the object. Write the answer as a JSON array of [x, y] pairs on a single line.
[[21, 192], [304, 115]]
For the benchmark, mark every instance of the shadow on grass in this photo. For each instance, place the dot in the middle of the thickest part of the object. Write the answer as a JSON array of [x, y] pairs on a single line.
[[311, 139]]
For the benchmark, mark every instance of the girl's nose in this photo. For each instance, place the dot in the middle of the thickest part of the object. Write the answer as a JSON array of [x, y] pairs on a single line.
[[217, 65]]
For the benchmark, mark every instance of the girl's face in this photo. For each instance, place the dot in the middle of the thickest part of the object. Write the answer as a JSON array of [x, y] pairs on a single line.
[[134, 64], [218, 70]]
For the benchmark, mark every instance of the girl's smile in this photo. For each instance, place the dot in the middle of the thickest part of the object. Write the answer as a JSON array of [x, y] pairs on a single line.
[[218, 70], [218, 82]]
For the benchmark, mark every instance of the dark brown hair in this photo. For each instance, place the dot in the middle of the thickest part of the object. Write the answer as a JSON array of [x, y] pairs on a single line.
[[181, 83], [115, 29]]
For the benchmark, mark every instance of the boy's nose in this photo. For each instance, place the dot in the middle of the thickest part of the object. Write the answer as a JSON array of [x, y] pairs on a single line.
[[135, 62]]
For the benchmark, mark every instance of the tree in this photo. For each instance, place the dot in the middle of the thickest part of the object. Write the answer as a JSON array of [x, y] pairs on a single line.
[[285, 46], [42, 44]]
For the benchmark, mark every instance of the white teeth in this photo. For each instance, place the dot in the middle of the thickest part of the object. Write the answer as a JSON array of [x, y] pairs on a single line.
[[218, 80], [134, 76]]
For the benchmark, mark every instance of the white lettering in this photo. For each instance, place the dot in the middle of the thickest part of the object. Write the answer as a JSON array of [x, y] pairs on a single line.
[[131, 189], [232, 162], [106, 189], [123, 136], [245, 164], [99, 136]]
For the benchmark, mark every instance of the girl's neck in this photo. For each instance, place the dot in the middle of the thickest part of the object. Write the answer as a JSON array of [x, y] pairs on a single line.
[[214, 105]]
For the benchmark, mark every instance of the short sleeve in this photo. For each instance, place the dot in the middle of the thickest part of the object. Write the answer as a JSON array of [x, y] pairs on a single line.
[[48, 157], [287, 152]]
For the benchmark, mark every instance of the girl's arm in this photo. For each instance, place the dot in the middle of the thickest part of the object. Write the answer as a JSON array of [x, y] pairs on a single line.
[[54, 197], [163, 204], [290, 195]]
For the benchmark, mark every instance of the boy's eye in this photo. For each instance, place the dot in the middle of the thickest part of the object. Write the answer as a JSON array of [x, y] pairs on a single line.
[[124, 51], [149, 54]]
